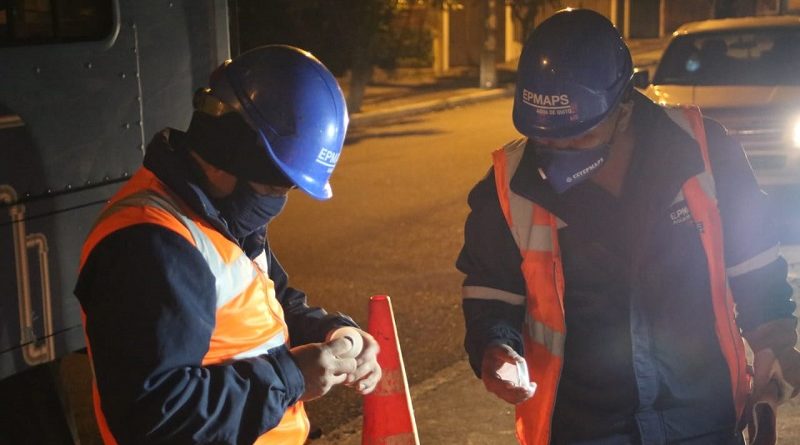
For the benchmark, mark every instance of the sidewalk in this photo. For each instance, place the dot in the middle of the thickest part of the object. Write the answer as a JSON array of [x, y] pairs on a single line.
[[403, 93]]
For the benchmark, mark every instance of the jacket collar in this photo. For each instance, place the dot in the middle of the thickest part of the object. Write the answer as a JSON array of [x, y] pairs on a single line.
[[168, 158]]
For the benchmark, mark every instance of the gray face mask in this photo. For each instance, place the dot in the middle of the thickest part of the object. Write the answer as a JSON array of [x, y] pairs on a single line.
[[565, 168]]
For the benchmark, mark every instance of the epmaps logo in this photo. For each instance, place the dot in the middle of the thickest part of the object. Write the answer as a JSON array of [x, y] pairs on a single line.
[[594, 166], [327, 158], [680, 215], [550, 104]]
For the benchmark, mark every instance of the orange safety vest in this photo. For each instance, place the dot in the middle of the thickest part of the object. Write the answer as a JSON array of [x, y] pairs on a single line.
[[535, 231], [249, 319]]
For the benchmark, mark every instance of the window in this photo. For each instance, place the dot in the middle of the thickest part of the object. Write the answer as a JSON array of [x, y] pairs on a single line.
[[38, 22], [769, 56]]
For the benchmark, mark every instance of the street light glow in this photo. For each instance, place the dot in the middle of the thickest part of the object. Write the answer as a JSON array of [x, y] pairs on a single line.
[[796, 132]]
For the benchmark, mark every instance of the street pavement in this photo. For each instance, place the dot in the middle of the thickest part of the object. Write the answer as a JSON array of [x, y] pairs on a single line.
[[452, 407]]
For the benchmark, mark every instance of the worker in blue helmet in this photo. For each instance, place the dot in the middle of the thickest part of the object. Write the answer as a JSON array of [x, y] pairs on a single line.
[[195, 335], [615, 258]]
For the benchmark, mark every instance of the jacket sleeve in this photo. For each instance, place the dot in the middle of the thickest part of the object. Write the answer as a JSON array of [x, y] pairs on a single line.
[[494, 290], [757, 273], [307, 324], [149, 304]]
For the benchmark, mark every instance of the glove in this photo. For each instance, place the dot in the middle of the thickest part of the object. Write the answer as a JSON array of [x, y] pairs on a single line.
[[496, 358], [776, 377], [322, 367], [365, 350], [775, 357]]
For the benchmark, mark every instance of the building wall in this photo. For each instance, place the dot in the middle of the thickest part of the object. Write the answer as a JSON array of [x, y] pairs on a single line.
[[678, 12], [466, 34], [791, 6], [644, 19]]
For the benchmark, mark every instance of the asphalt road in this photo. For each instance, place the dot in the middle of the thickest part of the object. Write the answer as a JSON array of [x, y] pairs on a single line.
[[394, 226]]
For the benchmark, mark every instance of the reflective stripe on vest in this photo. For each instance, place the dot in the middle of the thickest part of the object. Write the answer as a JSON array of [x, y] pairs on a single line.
[[248, 320], [535, 231]]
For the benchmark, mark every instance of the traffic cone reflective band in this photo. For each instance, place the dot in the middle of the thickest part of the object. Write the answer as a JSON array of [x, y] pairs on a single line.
[[388, 413]]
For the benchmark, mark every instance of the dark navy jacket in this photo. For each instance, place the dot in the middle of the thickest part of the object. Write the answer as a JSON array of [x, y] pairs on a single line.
[[150, 306], [641, 355]]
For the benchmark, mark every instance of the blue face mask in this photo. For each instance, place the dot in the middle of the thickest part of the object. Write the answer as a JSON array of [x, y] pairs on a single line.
[[565, 168], [246, 211]]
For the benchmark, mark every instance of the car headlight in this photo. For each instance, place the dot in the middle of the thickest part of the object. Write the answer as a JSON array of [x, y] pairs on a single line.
[[796, 132]]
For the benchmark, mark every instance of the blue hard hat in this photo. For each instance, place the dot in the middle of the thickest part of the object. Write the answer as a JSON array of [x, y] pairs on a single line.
[[294, 104], [573, 71]]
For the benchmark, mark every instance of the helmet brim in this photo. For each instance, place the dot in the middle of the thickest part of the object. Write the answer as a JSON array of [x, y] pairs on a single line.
[[554, 132], [313, 187], [527, 126]]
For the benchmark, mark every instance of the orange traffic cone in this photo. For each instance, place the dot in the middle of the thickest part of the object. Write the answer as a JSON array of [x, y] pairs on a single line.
[[388, 413]]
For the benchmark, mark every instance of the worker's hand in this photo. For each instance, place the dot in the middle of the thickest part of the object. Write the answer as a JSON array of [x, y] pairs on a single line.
[[368, 371], [365, 350], [789, 360], [494, 358], [322, 366], [775, 379], [776, 363]]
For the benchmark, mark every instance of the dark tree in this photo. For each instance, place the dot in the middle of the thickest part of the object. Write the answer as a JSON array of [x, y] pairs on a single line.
[[525, 11], [346, 35]]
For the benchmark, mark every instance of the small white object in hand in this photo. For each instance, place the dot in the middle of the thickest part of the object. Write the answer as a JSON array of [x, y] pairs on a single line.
[[356, 342], [516, 374]]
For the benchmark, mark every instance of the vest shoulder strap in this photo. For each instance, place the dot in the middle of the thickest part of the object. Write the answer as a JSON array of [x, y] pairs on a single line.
[[690, 119], [530, 224]]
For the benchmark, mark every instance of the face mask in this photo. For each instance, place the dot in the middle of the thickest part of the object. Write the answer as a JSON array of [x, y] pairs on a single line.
[[565, 168], [246, 211]]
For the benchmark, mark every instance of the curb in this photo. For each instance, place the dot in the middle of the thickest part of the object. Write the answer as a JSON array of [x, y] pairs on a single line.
[[387, 114]]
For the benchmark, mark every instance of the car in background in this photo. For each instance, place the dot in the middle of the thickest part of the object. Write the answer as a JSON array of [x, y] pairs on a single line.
[[745, 73]]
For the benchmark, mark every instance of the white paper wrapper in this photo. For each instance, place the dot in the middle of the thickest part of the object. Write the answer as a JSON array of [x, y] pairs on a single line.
[[516, 374]]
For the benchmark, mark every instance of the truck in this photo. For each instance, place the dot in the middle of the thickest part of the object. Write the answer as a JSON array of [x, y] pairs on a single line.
[[84, 84]]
